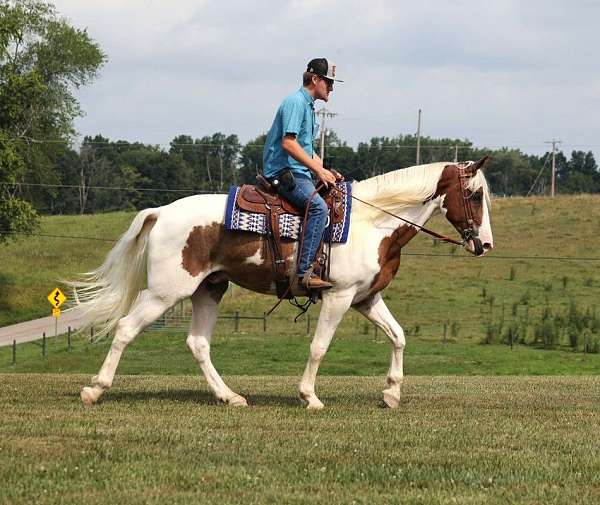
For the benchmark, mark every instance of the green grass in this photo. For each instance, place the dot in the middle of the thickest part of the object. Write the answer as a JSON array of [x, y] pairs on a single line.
[[285, 353], [467, 440], [426, 292]]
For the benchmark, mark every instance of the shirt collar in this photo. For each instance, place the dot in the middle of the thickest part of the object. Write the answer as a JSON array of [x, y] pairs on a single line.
[[309, 99]]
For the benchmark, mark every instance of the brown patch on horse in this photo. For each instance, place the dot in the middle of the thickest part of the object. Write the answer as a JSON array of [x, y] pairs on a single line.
[[212, 245], [449, 185], [389, 256], [196, 255]]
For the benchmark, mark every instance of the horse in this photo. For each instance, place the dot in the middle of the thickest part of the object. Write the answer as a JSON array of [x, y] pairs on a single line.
[[182, 250]]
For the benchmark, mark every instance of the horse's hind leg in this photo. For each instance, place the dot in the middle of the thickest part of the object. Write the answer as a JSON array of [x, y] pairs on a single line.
[[376, 311], [205, 302], [147, 308]]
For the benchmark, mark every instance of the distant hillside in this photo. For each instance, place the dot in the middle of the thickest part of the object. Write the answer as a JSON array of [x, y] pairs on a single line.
[[477, 297]]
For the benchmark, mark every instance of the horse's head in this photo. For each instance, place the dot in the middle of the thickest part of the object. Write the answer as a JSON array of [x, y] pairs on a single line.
[[465, 201]]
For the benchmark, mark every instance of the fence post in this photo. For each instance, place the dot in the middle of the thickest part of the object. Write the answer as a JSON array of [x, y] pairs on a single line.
[[69, 339], [14, 361], [44, 344], [308, 325], [264, 322], [237, 322]]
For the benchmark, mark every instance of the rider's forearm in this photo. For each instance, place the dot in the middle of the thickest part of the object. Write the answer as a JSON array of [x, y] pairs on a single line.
[[291, 146]]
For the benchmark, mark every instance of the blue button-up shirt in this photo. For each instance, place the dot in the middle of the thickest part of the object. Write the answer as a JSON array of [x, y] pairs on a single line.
[[296, 115]]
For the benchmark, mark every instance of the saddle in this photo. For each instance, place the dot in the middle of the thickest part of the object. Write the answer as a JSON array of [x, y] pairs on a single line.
[[262, 198]]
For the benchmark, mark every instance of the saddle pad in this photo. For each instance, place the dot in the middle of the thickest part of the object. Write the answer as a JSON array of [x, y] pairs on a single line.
[[290, 226]]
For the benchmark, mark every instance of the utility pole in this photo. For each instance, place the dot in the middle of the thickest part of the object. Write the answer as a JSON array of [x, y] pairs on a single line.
[[553, 180], [324, 113], [419, 138]]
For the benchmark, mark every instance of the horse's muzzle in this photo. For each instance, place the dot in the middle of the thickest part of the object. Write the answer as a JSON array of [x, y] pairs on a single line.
[[475, 246], [478, 246]]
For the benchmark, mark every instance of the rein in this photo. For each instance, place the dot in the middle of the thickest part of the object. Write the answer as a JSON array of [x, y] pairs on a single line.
[[467, 234], [434, 234]]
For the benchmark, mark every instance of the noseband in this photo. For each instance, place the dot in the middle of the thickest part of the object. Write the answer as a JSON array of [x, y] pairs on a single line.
[[469, 232]]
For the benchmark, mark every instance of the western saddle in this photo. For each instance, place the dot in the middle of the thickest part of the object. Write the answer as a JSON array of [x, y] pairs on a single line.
[[262, 198]]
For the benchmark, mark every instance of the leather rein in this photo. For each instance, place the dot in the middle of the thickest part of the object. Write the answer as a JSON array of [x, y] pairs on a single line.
[[467, 234]]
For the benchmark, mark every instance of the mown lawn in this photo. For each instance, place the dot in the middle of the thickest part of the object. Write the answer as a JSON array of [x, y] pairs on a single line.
[[285, 351], [473, 295], [467, 440]]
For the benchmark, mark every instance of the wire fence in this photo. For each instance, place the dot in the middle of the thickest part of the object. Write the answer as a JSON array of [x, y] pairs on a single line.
[[509, 331]]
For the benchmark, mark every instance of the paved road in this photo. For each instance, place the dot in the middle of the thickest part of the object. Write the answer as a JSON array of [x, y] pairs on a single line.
[[32, 330]]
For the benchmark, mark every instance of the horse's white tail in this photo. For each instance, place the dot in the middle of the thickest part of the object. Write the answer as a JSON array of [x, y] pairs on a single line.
[[107, 293]]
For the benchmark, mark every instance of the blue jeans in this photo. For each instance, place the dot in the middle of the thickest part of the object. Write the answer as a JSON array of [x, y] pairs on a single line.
[[315, 221]]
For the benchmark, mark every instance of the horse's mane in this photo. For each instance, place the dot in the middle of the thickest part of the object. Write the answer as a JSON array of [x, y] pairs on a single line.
[[407, 187]]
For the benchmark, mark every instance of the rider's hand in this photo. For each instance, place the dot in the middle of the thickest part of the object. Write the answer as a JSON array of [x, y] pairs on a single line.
[[337, 175], [325, 176]]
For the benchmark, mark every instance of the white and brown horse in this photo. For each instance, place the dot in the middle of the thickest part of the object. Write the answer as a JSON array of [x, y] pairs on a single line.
[[182, 250]]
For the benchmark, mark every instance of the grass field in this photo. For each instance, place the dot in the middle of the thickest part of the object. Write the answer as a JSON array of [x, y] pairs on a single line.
[[472, 294], [285, 353], [467, 440], [462, 434]]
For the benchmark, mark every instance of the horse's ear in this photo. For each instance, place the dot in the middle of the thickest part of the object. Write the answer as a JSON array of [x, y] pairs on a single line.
[[481, 164]]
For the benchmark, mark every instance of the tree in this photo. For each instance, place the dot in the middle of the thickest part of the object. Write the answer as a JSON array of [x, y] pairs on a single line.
[[43, 59], [251, 160], [579, 174]]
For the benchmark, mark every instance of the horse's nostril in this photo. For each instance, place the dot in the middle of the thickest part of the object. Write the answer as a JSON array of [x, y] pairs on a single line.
[[487, 246]]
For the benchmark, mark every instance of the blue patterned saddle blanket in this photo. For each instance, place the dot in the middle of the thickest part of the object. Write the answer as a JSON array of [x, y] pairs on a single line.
[[290, 225]]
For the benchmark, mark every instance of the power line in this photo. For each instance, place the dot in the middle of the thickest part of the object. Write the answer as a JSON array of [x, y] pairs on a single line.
[[538, 175], [10, 232], [220, 145], [501, 257], [156, 190]]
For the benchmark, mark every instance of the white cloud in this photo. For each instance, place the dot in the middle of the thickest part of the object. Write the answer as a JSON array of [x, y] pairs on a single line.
[[499, 73]]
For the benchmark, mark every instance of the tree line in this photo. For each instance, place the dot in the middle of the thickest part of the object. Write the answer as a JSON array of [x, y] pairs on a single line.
[[104, 175], [44, 60]]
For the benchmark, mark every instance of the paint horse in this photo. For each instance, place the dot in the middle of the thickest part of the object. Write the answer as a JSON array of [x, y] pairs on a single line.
[[182, 250]]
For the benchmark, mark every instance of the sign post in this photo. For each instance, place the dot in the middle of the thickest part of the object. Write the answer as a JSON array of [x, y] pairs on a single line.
[[56, 299]]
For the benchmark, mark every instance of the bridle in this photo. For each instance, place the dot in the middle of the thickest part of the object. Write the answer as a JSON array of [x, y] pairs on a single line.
[[469, 233]]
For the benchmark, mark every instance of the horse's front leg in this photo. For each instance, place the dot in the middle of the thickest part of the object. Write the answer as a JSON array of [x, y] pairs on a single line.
[[334, 306], [376, 311]]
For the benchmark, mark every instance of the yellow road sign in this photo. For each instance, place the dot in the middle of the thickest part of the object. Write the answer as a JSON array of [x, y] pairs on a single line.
[[55, 312], [56, 298]]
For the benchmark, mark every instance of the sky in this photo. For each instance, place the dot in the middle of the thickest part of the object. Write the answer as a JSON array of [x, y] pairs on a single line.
[[500, 73]]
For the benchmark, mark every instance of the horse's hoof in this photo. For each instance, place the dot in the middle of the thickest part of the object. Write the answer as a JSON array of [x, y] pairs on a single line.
[[390, 401], [87, 396], [237, 401], [311, 401]]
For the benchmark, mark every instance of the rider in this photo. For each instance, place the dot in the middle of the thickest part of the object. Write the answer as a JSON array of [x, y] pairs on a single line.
[[289, 159]]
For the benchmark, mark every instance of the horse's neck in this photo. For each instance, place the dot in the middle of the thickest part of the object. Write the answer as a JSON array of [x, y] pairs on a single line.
[[417, 214]]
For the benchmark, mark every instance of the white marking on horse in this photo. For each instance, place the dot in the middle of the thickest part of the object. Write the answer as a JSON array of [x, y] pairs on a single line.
[[255, 259]]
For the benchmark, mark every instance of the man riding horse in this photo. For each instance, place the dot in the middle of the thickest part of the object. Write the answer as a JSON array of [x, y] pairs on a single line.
[[290, 163]]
